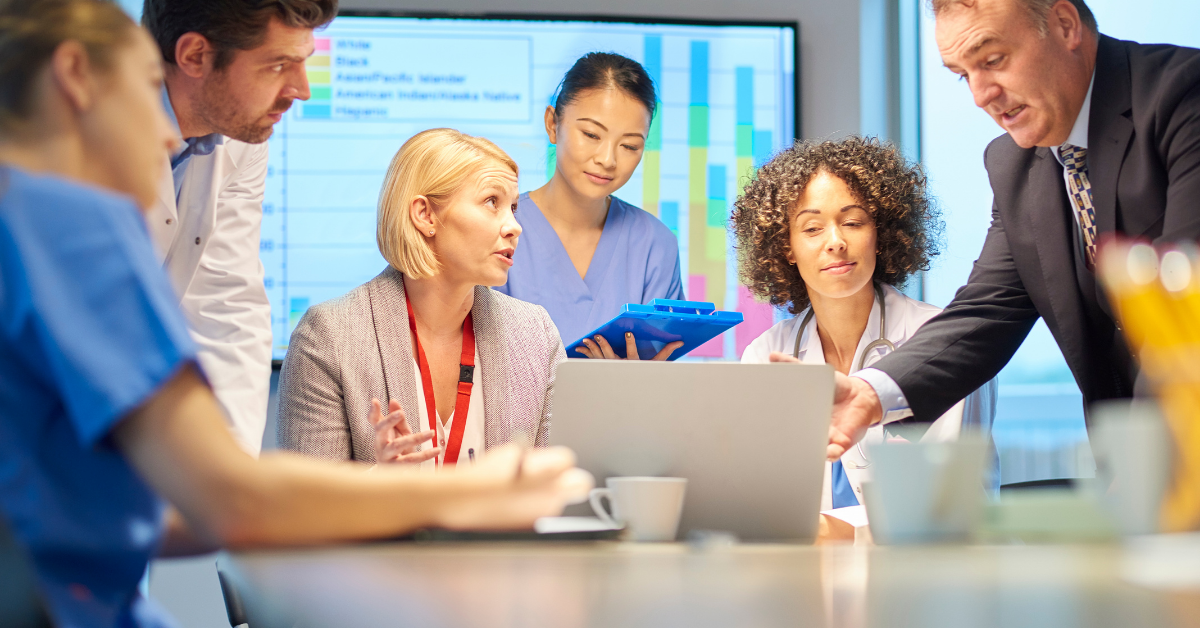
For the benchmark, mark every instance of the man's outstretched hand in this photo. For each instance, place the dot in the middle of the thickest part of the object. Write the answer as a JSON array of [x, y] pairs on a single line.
[[855, 408]]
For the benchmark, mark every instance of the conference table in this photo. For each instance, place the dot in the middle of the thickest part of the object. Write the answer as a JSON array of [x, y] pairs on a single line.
[[608, 583]]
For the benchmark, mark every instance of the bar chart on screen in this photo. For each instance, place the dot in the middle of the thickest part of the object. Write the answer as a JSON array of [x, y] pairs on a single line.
[[726, 104]]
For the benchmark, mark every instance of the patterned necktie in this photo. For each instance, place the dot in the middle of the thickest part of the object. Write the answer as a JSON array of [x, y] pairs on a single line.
[[1075, 160]]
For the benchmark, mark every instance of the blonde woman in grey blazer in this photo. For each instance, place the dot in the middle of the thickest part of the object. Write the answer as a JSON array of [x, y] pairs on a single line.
[[446, 228]]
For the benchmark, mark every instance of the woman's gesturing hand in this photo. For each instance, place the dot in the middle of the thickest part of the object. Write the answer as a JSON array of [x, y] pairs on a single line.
[[394, 442], [599, 349]]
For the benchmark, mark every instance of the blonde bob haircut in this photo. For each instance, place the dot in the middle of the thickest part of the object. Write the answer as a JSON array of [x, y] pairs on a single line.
[[435, 164]]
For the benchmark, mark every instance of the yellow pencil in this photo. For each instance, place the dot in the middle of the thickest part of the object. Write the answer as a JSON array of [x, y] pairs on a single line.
[[1180, 276], [1157, 301], [1130, 276]]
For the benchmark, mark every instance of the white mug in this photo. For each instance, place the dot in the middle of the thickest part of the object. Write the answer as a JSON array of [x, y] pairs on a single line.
[[1133, 462], [925, 492], [648, 507]]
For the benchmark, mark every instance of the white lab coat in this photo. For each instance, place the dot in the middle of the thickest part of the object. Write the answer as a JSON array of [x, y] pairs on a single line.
[[209, 247], [904, 316]]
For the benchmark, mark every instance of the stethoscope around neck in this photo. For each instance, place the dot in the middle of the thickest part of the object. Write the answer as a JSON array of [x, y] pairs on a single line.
[[882, 341]]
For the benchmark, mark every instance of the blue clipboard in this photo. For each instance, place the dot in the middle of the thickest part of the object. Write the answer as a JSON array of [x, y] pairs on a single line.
[[660, 323]]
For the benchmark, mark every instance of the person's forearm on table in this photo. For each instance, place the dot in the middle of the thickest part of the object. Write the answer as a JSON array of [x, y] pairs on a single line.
[[180, 539], [232, 500]]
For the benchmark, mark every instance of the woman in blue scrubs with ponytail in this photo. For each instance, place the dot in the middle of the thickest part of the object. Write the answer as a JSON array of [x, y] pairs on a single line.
[[584, 252]]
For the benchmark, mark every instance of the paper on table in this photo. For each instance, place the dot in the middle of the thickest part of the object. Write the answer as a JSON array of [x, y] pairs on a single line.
[[853, 515]]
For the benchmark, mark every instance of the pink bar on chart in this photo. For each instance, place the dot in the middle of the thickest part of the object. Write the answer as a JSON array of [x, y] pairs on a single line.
[[758, 318], [714, 348], [321, 44], [697, 288], [698, 291]]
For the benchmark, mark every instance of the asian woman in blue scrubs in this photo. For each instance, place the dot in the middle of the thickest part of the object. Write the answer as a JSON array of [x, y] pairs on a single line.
[[113, 448], [584, 252]]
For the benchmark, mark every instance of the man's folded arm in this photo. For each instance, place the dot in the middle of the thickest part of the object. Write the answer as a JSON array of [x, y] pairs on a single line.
[[1181, 220]]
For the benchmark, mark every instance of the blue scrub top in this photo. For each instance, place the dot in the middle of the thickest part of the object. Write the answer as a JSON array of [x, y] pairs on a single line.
[[637, 260], [89, 330]]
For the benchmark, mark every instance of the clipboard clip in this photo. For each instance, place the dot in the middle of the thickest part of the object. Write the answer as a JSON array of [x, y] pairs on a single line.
[[672, 306]]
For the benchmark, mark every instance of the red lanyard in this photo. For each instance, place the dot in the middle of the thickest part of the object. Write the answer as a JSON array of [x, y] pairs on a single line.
[[466, 376]]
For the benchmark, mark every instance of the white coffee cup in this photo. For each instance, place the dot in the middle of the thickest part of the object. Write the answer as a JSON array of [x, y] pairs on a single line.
[[925, 492], [1133, 463], [648, 507]]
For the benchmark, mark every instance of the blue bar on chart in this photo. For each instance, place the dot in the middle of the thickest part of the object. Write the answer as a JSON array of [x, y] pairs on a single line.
[[763, 147], [652, 157], [669, 214], [744, 125], [296, 310]]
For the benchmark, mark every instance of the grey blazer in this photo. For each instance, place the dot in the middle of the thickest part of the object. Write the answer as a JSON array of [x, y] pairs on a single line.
[[349, 350]]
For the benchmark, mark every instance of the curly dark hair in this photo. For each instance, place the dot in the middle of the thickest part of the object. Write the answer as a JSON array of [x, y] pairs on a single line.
[[889, 187]]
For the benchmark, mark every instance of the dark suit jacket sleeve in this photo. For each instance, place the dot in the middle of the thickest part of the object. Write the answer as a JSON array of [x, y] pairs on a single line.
[[967, 344], [1181, 154]]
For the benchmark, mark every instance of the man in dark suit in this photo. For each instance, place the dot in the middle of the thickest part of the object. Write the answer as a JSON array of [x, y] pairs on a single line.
[[1103, 136]]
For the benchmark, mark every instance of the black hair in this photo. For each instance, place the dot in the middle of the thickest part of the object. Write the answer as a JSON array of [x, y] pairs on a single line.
[[229, 25], [601, 70]]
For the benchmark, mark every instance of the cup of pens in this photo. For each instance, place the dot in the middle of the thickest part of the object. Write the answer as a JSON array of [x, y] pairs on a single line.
[[1156, 296]]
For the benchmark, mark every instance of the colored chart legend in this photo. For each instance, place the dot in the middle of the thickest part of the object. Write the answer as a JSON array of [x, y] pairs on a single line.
[[320, 82]]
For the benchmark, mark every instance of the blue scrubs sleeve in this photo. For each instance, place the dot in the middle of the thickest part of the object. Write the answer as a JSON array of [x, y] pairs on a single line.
[[100, 309]]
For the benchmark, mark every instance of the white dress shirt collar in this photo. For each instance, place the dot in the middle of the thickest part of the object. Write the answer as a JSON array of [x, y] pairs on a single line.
[[1079, 132]]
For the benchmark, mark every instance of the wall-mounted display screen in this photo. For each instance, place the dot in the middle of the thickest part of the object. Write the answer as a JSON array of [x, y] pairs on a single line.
[[728, 101]]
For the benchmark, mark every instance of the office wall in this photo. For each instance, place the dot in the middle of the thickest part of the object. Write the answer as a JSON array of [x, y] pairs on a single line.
[[829, 40]]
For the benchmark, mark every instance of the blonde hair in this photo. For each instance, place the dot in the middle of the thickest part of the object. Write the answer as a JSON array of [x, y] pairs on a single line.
[[435, 164], [30, 32]]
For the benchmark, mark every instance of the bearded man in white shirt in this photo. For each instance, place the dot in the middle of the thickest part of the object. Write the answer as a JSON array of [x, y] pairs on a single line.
[[232, 69]]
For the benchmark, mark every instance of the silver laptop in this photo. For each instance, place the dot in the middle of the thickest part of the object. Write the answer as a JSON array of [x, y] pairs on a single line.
[[750, 438]]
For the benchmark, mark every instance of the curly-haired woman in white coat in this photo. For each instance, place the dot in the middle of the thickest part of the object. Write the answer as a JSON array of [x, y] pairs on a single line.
[[829, 230]]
